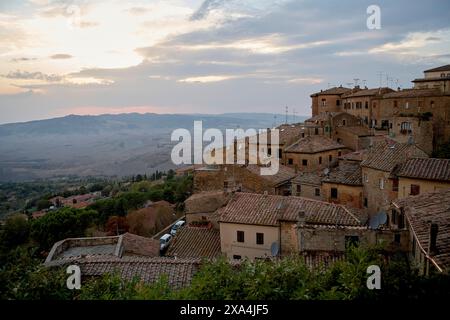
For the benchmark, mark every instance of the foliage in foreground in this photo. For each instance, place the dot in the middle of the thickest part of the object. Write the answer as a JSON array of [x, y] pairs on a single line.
[[284, 279]]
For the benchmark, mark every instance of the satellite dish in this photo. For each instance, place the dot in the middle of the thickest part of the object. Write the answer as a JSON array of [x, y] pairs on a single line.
[[374, 222], [274, 249], [326, 171], [382, 217]]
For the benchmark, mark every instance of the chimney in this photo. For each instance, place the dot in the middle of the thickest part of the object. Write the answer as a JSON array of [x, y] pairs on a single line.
[[432, 247], [301, 218]]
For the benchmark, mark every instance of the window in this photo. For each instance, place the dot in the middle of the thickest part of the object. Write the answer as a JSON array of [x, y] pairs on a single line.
[[316, 131], [381, 184], [397, 238], [330, 158], [259, 238], [299, 188], [338, 102], [320, 160], [339, 153], [442, 75], [317, 192], [366, 204], [225, 184], [394, 217], [415, 189], [324, 102], [236, 257], [290, 161], [304, 162], [280, 153], [344, 122], [401, 221], [405, 127], [240, 236], [269, 151], [366, 105], [366, 177], [351, 241], [334, 193], [395, 184], [303, 134], [432, 104], [395, 104]]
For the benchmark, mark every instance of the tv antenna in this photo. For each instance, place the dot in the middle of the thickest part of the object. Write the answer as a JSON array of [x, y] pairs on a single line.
[[287, 110], [356, 81], [380, 77]]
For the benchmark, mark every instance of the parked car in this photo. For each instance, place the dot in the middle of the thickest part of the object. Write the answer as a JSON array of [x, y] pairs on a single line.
[[177, 226], [164, 241]]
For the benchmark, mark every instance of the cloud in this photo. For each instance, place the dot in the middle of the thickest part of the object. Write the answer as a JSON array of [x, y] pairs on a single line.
[[205, 8], [25, 75], [206, 79], [23, 59], [61, 56]]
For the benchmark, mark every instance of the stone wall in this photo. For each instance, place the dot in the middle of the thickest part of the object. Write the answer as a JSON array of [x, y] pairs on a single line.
[[351, 196]]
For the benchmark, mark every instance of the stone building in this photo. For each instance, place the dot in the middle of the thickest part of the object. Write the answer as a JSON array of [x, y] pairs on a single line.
[[328, 100], [313, 153], [361, 103], [422, 175], [343, 185], [243, 177], [380, 186], [426, 217], [308, 185], [253, 225], [436, 78], [202, 207]]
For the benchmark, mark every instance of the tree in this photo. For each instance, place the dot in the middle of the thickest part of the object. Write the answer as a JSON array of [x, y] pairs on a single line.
[[15, 231], [116, 225], [43, 204], [61, 224]]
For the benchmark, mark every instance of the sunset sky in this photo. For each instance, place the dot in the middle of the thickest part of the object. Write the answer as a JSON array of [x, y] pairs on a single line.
[[60, 57]]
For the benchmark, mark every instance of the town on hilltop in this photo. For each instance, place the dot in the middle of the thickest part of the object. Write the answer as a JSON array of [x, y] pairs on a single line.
[[359, 171]]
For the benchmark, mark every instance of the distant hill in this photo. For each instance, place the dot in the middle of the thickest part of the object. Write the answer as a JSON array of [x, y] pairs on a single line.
[[104, 145]]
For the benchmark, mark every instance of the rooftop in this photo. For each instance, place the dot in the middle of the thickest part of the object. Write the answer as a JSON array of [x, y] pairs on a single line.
[[312, 178], [421, 211], [386, 155], [332, 91], [179, 272], [191, 242], [426, 168], [359, 131], [268, 210], [355, 155], [441, 68], [368, 92], [206, 201], [314, 144], [284, 174], [346, 173], [323, 116], [413, 93]]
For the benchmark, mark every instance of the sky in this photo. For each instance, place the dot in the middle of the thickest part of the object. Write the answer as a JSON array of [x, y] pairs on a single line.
[[60, 57]]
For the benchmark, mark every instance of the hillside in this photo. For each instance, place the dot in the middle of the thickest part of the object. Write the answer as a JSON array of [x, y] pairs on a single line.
[[105, 145]]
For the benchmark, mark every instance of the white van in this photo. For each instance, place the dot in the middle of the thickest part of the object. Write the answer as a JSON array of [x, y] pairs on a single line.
[[164, 241], [177, 226]]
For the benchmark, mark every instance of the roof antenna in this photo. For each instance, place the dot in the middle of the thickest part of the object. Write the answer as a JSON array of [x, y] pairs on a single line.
[[287, 109]]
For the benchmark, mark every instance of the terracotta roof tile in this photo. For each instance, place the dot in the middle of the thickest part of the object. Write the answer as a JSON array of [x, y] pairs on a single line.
[[367, 92], [284, 174], [412, 93], [312, 178], [258, 209], [332, 91], [191, 242], [314, 144], [426, 168], [346, 173], [385, 155], [149, 270], [424, 209]]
